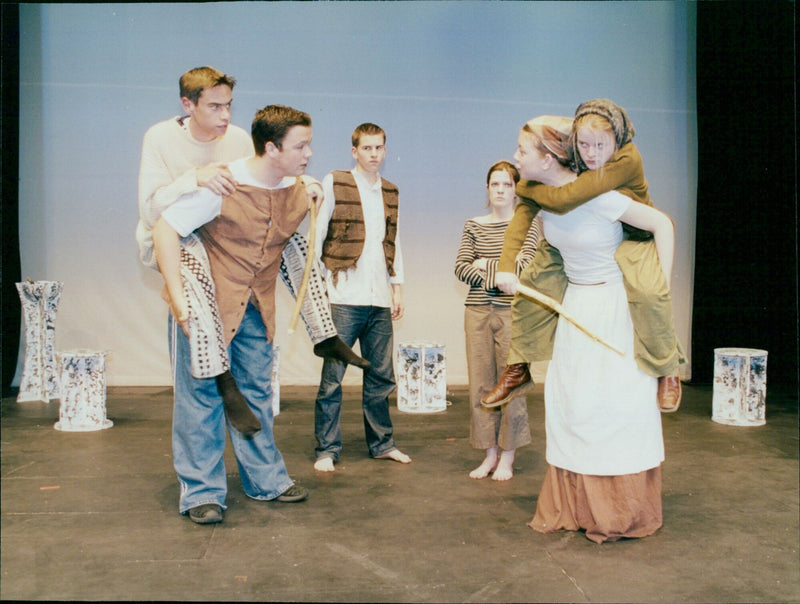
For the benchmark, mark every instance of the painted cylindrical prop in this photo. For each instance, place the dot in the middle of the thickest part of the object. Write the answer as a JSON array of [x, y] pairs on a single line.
[[421, 377], [40, 379], [83, 391], [740, 386]]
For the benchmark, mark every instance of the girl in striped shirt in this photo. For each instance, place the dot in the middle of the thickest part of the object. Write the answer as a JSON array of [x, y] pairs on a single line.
[[487, 324]]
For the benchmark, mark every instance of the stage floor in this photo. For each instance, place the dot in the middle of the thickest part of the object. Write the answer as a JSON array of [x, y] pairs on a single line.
[[93, 516]]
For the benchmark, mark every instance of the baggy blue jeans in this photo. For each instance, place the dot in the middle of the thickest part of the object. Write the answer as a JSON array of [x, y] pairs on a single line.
[[198, 421], [372, 327]]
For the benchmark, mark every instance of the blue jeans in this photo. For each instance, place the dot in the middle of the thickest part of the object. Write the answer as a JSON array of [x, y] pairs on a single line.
[[372, 327], [198, 421]]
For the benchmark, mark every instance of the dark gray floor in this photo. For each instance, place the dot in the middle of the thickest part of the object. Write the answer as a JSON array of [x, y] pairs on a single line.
[[93, 516]]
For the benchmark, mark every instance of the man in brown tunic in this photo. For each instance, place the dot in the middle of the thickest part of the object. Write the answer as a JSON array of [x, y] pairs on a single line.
[[244, 234]]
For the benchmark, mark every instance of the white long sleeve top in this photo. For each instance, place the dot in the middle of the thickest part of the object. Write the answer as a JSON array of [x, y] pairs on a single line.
[[168, 170]]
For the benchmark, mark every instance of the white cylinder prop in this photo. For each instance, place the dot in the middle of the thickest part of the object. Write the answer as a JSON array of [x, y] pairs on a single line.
[[275, 381], [740, 386], [39, 380], [421, 377], [83, 391]]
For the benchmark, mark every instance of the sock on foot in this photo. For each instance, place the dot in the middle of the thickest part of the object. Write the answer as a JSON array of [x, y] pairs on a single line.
[[335, 348], [236, 407]]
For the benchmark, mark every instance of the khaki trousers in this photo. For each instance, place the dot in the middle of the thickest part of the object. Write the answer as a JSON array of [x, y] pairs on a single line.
[[488, 335]]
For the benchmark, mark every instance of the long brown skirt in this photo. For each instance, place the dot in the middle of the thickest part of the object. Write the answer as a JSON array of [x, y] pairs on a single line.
[[606, 507]]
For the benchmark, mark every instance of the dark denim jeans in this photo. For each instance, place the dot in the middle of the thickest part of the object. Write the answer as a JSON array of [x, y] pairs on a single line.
[[372, 327]]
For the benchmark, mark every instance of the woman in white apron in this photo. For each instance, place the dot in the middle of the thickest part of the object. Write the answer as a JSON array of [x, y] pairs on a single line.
[[604, 442]]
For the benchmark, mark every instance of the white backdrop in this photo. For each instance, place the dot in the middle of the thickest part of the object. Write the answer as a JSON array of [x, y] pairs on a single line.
[[450, 82]]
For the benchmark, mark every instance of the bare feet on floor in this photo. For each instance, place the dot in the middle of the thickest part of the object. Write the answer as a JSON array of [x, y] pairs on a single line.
[[324, 464], [395, 455], [487, 466], [505, 467]]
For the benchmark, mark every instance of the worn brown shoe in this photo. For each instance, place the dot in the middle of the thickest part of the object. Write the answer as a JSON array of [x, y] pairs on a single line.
[[293, 494], [515, 381], [669, 393], [208, 513]]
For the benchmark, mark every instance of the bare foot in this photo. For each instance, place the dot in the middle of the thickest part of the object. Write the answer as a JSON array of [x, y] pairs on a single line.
[[505, 469], [324, 464], [483, 470], [488, 465], [396, 455]]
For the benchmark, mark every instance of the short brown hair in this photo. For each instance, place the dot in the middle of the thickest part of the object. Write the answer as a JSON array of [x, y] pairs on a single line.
[[271, 124], [366, 129], [195, 81], [503, 166]]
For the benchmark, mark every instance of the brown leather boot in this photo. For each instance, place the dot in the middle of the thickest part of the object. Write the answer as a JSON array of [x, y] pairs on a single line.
[[669, 393], [515, 381]]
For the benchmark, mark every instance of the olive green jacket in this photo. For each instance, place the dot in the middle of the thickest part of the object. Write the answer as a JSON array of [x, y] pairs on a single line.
[[656, 347]]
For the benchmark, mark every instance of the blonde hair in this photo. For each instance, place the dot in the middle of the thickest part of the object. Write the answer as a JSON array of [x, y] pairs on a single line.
[[594, 123], [550, 135], [601, 111]]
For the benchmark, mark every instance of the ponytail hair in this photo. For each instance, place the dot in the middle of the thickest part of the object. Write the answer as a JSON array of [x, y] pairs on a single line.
[[550, 134]]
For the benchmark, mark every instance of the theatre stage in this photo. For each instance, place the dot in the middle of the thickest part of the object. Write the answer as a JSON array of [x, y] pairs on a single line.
[[93, 516]]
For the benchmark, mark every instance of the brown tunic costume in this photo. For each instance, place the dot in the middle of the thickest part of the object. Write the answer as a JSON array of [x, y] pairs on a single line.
[[244, 245]]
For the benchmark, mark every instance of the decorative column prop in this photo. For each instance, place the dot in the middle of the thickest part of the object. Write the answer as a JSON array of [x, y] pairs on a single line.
[[40, 371], [83, 391], [421, 377], [740, 386]]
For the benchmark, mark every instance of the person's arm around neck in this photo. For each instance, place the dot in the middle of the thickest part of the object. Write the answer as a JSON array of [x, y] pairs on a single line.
[[622, 170], [515, 235]]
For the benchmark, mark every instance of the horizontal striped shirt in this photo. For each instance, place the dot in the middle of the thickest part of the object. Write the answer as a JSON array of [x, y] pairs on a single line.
[[485, 240]]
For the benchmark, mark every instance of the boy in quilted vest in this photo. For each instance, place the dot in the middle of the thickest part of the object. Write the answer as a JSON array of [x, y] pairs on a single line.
[[358, 244]]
